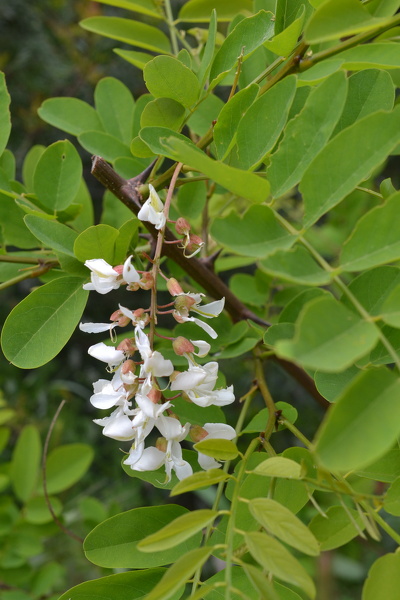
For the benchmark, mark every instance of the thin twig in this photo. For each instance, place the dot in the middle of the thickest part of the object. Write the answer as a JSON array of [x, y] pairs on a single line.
[[44, 473]]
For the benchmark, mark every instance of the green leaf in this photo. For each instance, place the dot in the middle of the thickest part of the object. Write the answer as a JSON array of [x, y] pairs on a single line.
[[287, 11], [350, 436], [331, 385], [5, 118], [145, 7], [209, 48], [103, 144], [163, 112], [226, 127], [167, 77], [257, 233], [198, 11], [295, 265], [179, 573], [52, 234], [246, 185], [138, 59], [219, 449], [283, 524], [259, 421], [375, 239], [201, 120], [328, 337], [293, 308], [261, 126], [279, 466], [8, 164], [390, 308], [191, 198], [70, 114], [96, 242], [337, 528], [58, 175], [115, 107], [132, 585], [347, 160], [179, 530], [386, 468], [373, 287], [391, 501], [199, 480], [130, 32], [39, 327], [382, 55], [66, 465], [113, 543], [25, 463], [37, 512], [285, 41], [339, 18], [369, 91], [248, 35], [307, 134], [276, 559], [261, 585], [383, 578]]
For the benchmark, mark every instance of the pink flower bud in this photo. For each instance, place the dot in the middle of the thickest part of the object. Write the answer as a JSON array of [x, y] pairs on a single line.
[[182, 227], [119, 269], [141, 316], [127, 346], [161, 444], [182, 346], [173, 287], [197, 433], [128, 367], [154, 395], [119, 318], [147, 281]]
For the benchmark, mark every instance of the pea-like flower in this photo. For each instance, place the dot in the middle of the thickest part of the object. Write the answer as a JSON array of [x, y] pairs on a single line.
[[105, 278], [153, 210], [198, 383]]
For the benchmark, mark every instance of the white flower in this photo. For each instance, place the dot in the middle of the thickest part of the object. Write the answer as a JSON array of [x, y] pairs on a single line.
[[215, 431], [203, 348], [153, 362], [105, 396], [152, 458], [198, 383], [153, 210], [117, 426], [96, 327], [213, 309], [103, 276], [108, 354], [140, 321]]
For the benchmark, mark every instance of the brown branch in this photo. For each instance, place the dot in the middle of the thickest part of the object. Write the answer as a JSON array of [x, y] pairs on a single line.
[[127, 192]]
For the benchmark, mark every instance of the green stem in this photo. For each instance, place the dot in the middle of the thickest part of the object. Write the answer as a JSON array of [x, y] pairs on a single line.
[[28, 275], [27, 260], [263, 387], [296, 432], [171, 26], [385, 526], [231, 525]]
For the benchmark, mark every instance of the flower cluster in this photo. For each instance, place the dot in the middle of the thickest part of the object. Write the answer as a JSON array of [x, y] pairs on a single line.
[[141, 375]]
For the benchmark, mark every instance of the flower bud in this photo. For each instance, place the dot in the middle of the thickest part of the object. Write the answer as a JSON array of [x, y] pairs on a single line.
[[128, 369], [119, 318], [141, 317], [182, 227], [161, 444], [197, 433], [184, 303], [119, 269], [147, 281], [182, 346], [127, 346], [173, 287], [154, 395]]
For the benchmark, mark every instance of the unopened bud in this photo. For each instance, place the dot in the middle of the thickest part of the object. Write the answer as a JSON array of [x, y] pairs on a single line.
[[182, 227], [119, 318], [119, 269], [154, 395], [161, 444], [182, 346], [128, 369], [147, 281], [173, 287], [127, 346], [141, 317], [197, 433]]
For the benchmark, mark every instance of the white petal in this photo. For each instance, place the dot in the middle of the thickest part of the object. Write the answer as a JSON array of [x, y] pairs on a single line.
[[96, 327], [152, 458], [129, 273], [205, 326], [204, 348], [158, 365], [219, 431], [155, 199], [189, 380], [106, 354], [206, 462], [142, 343], [118, 427], [100, 267], [213, 309]]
